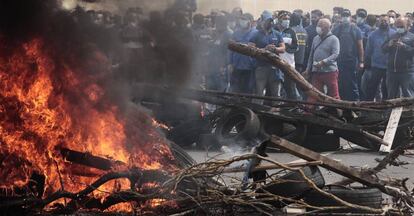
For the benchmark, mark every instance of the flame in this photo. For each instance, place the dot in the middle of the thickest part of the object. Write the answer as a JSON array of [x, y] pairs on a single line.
[[46, 102]]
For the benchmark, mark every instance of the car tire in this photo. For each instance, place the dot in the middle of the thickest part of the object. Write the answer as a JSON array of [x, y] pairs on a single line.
[[244, 121], [370, 197], [296, 186]]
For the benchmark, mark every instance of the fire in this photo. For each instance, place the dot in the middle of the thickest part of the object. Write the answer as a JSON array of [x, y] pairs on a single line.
[[46, 101]]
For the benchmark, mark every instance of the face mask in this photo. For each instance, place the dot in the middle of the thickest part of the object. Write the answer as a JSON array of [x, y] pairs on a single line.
[[400, 30], [346, 19], [244, 23], [285, 23], [275, 21], [232, 25], [360, 20], [392, 21], [319, 30]]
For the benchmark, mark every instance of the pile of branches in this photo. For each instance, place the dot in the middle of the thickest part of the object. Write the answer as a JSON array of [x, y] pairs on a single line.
[[201, 190]]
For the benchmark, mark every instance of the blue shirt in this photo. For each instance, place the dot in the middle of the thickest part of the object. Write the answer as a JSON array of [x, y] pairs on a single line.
[[365, 30], [239, 61], [348, 35], [374, 52], [261, 39]]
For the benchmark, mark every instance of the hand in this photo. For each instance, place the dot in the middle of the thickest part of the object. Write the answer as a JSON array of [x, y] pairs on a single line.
[[306, 74], [230, 68], [320, 64], [399, 44], [392, 43], [270, 47], [251, 44], [361, 66]]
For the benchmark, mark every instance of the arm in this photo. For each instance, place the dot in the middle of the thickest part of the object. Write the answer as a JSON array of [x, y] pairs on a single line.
[[387, 46], [334, 42], [281, 48], [310, 59], [293, 47], [360, 47], [369, 49], [408, 48]]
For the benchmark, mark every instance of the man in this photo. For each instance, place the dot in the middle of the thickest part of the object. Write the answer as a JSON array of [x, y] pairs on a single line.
[[392, 15], [351, 57], [322, 65], [400, 70], [372, 22], [268, 77], [361, 16], [291, 43], [311, 31], [243, 66], [218, 58], [377, 60], [302, 37]]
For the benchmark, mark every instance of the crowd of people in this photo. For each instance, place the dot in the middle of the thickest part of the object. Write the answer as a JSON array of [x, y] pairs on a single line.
[[348, 55]]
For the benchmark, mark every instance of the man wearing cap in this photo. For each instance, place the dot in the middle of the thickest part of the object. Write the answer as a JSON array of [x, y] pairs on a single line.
[[268, 77], [400, 69], [243, 66], [351, 57]]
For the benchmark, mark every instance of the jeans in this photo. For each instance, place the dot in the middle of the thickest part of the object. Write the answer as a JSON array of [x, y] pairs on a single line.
[[373, 81], [348, 81], [291, 90], [241, 81], [400, 83], [328, 79], [266, 79]]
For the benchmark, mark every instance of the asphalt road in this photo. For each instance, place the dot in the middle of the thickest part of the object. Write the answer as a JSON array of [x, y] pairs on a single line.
[[352, 157]]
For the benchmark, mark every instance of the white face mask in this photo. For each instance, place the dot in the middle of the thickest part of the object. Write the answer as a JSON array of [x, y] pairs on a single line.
[[244, 23], [318, 30], [400, 30], [360, 20], [285, 23], [392, 21], [346, 19]]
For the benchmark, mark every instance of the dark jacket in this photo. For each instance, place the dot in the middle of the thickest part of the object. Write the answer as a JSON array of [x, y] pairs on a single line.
[[400, 59], [302, 37]]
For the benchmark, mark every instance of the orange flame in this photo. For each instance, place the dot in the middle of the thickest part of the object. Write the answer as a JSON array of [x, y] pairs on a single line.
[[46, 102]]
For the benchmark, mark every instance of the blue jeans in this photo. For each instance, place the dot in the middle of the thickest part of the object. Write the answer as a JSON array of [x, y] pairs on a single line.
[[348, 82], [373, 81], [400, 83]]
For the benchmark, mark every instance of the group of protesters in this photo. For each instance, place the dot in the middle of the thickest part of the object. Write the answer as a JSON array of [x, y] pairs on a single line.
[[348, 55]]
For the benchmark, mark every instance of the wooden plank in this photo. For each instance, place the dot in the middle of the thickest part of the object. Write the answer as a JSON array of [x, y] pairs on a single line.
[[391, 129], [327, 162]]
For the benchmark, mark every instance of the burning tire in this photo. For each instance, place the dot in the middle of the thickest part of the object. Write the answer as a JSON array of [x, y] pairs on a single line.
[[370, 197], [294, 185], [239, 126]]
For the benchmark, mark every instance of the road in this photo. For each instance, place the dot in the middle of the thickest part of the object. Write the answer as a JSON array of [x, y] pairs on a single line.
[[352, 157]]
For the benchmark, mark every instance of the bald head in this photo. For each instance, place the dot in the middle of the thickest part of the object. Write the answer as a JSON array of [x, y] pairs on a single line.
[[325, 25], [402, 22]]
